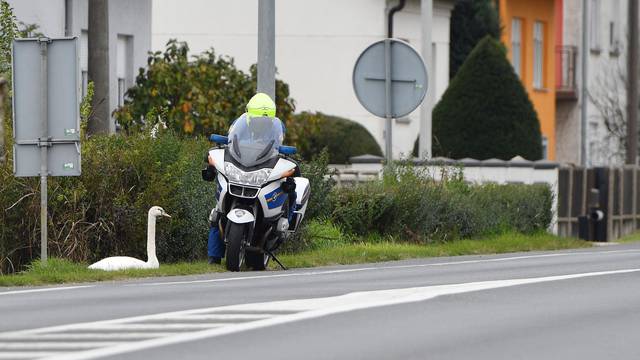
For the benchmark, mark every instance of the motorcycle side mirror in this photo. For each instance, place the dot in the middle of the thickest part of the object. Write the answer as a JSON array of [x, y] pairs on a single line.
[[219, 139], [287, 150]]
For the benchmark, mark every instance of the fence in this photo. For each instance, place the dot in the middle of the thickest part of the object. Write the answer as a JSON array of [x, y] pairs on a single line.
[[618, 197]]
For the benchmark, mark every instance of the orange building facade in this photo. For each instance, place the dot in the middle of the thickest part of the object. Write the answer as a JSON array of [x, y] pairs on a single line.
[[529, 33]]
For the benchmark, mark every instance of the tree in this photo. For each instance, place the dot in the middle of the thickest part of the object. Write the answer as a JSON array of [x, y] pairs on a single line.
[[471, 20], [611, 108], [197, 96], [486, 112]]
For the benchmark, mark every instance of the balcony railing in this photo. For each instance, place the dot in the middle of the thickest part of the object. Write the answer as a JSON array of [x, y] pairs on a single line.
[[566, 73]]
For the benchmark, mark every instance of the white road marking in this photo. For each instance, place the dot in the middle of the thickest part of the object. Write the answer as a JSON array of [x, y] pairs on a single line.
[[157, 326], [222, 317], [44, 290], [26, 354], [390, 267], [88, 336], [306, 309], [68, 346]]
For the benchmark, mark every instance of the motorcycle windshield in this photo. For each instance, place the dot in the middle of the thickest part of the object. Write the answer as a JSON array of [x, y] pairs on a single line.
[[255, 140]]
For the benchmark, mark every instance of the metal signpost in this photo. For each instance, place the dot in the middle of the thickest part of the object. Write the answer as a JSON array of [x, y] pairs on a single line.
[[390, 80], [46, 114]]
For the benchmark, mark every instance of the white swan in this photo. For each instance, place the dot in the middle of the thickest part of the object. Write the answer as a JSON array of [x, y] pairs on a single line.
[[116, 263]]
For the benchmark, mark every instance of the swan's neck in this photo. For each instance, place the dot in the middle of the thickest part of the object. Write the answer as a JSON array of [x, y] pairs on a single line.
[[151, 240]]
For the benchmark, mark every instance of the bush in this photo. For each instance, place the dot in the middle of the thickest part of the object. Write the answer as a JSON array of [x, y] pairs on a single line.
[[199, 96], [486, 112], [471, 20], [408, 204], [341, 137], [104, 211]]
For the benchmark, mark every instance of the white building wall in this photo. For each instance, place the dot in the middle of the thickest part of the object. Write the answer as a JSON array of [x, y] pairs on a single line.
[[317, 45], [126, 17]]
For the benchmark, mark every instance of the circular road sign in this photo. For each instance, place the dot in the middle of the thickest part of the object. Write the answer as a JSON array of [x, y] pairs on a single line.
[[409, 80]]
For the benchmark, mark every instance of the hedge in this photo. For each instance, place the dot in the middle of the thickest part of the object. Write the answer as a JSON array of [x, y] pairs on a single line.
[[408, 204]]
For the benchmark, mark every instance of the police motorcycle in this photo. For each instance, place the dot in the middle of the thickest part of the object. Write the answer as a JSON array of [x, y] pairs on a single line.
[[260, 201]]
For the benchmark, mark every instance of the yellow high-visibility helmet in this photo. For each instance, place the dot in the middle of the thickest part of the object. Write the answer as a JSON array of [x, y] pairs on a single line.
[[261, 105]]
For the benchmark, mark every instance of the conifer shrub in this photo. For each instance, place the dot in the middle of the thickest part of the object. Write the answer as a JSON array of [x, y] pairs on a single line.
[[486, 112]]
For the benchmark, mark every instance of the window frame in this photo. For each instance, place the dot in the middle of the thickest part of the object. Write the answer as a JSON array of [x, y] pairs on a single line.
[[538, 55], [517, 43]]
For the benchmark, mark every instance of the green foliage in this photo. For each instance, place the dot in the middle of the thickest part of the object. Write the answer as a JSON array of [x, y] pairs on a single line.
[[471, 20], [410, 205], [319, 175], [342, 137], [8, 33], [104, 211], [201, 95], [486, 112]]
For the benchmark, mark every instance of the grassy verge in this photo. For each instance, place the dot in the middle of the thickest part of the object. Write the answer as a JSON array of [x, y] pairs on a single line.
[[629, 238], [327, 252]]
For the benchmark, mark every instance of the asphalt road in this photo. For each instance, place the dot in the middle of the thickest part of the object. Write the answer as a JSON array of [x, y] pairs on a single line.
[[580, 304]]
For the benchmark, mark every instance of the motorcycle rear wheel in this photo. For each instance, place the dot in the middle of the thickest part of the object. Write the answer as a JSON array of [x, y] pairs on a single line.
[[235, 247]]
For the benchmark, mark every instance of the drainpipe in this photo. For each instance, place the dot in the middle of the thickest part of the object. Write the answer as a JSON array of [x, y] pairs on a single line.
[[392, 12], [585, 83]]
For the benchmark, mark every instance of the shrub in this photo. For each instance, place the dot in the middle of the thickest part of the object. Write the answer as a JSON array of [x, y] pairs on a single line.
[[319, 175], [199, 96], [486, 112], [341, 137], [408, 204], [471, 20], [104, 211]]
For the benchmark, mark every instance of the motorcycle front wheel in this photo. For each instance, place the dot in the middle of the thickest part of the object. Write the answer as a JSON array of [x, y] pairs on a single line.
[[235, 246]]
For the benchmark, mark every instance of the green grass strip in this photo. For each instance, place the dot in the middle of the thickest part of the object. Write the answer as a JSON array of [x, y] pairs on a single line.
[[59, 271]]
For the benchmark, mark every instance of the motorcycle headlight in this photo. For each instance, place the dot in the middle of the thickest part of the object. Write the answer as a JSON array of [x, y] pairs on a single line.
[[252, 178]]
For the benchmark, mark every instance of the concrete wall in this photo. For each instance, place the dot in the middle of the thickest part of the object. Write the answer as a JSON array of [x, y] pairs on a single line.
[[317, 45]]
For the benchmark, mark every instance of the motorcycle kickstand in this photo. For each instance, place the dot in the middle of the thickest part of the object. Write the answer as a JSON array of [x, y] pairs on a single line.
[[276, 260]]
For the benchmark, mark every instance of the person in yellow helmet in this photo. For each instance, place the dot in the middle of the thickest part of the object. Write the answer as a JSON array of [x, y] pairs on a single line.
[[260, 105]]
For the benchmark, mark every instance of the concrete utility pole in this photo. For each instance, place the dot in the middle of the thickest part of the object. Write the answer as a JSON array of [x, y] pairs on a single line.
[[632, 91], [100, 121], [585, 83], [267, 47], [424, 146], [3, 83]]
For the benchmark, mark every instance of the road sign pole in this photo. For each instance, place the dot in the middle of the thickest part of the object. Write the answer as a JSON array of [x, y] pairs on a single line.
[[425, 142], [43, 143], [388, 134]]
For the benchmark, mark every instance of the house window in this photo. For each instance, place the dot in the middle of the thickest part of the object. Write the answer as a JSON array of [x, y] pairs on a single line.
[[594, 24], [516, 45], [545, 147], [124, 64], [84, 61], [538, 54]]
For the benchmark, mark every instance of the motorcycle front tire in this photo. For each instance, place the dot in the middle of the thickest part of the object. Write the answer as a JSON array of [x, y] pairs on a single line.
[[235, 246]]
